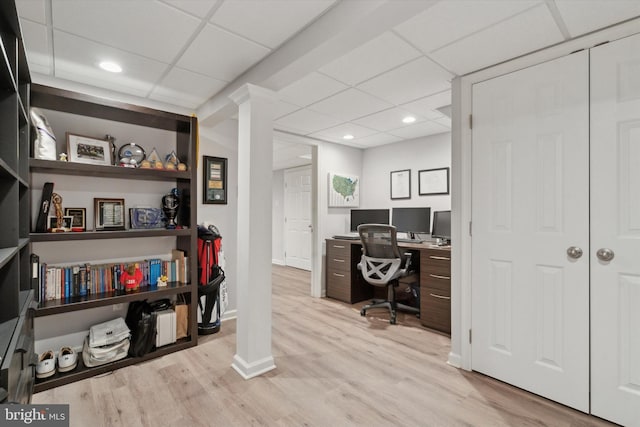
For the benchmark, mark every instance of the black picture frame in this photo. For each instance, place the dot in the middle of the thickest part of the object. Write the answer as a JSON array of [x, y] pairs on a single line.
[[400, 182], [109, 214], [214, 180], [433, 182], [79, 215]]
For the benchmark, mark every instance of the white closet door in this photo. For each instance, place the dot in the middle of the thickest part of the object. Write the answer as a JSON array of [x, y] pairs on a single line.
[[297, 212], [615, 225], [530, 204]]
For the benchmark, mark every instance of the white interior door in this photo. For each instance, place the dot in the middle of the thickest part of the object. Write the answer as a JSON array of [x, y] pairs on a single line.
[[530, 203], [297, 217], [615, 225]]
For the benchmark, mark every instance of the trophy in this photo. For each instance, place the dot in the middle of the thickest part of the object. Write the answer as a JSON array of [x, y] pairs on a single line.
[[170, 204]]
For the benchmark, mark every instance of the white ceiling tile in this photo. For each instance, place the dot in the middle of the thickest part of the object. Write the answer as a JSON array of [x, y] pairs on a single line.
[[36, 40], [524, 33], [221, 55], [335, 134], [349, 105], [33, 10], [444, 121], [198, 8], [448, 21], [268, 22], [374, 57], [414, 80], [420, 129], [584, 16], [427, 106], [387, 119], [77, 60], [148, 28], [376, 140], [311, 88], [186, 88], [282, 108], [305, 122]]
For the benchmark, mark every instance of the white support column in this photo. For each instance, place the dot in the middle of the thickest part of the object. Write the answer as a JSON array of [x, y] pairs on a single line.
[[255, 158]]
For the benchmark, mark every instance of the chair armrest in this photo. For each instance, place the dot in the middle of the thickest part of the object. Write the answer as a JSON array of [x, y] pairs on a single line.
[[407, 262]]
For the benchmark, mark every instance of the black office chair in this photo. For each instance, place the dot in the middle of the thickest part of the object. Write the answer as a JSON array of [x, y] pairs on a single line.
[[382, 265]]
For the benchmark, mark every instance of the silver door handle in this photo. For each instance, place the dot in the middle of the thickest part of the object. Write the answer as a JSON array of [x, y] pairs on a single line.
[[574, 252], [605, 254]]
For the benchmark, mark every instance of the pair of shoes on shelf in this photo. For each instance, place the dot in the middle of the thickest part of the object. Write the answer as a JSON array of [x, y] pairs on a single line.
[[67, 361]]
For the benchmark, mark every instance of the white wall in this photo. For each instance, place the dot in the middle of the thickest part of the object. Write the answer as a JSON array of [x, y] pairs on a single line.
[[429, 152], [223, 216], [277, 221]]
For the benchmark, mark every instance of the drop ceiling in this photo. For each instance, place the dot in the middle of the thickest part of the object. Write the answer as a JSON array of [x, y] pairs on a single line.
[[339, 67]]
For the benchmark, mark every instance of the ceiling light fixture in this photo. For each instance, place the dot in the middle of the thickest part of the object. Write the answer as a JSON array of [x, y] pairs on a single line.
[[409, 119], [347, 136], [110, 66]]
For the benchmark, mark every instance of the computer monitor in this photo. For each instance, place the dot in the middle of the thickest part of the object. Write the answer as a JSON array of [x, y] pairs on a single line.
[[368, 216], [442, 226], [411, 220]]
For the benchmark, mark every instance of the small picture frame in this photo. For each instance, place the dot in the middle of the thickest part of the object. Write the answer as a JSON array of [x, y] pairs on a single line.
[[85, 149], [401, 184], [52, 223], [433, 182], [78, 218], [109, 214], [214, 180]]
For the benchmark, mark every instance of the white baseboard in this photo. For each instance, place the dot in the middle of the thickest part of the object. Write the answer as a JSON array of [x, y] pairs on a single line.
[[229, 315], [253, 369], [455, 360], [278, 262]]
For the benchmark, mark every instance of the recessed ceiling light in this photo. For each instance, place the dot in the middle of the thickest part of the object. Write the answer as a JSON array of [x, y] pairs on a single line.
[[348, 136], [409, 119], [110, 66]]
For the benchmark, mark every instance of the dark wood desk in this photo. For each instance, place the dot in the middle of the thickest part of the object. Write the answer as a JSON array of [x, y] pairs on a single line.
[[345, 282]]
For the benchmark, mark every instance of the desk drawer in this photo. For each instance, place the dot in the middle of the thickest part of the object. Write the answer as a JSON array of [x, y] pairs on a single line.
[[339, 285], [338, 249], [435, 309], [436, 262], [338, 262], [430, 279]]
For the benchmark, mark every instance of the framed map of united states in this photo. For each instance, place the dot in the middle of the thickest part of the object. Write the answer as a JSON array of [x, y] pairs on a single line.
[[344, 190]]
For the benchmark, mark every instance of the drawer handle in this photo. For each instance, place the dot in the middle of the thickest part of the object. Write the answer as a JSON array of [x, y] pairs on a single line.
[[440, 257], [439, 296], [339, 275], [436, 276], [338, 246], [338, 260]]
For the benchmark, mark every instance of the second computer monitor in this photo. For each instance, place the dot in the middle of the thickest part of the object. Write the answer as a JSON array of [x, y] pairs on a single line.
[[412, 220], [368, 216]]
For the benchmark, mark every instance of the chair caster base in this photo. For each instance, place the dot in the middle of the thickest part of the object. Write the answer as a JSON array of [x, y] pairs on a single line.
[[363, 313]]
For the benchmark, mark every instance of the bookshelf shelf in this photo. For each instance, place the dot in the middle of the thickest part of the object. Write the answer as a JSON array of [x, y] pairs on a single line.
[[81, 169], [66, 305], [96, 235]]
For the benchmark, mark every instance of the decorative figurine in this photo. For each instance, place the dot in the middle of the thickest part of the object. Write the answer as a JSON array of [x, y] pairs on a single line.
[[56, 201], [131, 155], [131, 278], [62, 157], [162, 281], [170, 204]]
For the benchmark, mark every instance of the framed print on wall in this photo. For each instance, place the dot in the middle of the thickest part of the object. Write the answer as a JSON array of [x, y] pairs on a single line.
[[214, 180], [401, 184], [433, 182]]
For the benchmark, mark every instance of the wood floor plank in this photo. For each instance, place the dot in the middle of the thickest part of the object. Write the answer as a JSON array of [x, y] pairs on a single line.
[[333, 368]]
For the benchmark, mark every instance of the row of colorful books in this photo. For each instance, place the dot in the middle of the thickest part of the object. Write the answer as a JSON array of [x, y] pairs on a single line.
[[66, 281]]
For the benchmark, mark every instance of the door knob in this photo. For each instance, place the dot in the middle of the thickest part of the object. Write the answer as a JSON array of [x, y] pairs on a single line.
[[574, 252], [605, 254]]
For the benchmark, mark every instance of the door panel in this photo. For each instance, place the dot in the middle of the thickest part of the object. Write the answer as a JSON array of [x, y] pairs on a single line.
[[615, 224], [530, 202], [297, 211]]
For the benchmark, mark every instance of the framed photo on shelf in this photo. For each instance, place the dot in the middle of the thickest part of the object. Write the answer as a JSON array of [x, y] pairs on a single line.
[[432, 182], [78, 218], [109, 214], [84, 149], [214, 184], [52, 223], [401, 184]]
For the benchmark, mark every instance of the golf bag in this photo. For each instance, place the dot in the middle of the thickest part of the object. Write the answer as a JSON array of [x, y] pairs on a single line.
[[210, 277]]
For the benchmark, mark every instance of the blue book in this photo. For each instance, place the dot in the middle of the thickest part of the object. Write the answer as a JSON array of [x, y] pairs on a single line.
[[67, 282]]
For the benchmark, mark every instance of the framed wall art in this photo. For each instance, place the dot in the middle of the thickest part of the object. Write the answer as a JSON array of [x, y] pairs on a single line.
[[109, 214], [401, 184], [214, 180], [84, 149], [432, 182]]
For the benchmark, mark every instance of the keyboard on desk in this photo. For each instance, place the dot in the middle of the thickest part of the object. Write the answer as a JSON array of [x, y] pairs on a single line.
[[407, 240]]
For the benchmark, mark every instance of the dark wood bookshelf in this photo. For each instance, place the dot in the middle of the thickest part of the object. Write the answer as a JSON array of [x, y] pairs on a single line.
[[6, 255], [82, 372], [106, 171], [6, 171], [46, 308], [96, 235]]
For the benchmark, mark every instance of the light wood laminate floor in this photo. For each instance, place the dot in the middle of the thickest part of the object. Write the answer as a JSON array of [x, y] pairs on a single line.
[[334, 368]]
